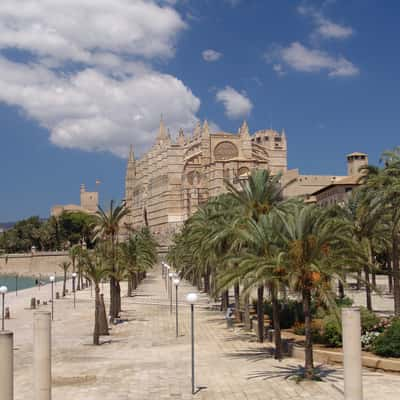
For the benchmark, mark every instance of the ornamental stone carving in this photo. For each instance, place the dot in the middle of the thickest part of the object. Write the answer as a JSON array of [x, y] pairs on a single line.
[[225, 151]]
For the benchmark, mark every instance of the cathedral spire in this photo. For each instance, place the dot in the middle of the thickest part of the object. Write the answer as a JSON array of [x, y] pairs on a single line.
[[131, 154], [162, 133], [197, 131], [181, 137], [206, 130], [244, 130]]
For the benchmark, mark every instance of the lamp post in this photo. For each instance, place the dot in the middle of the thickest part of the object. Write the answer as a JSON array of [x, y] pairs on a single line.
[[192, 298], [162, 269], [52, 279], [73, 287], [176, 283], [170, 275], [167, 267], [3, 291]]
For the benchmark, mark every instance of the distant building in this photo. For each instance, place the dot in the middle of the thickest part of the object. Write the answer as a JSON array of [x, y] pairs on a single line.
[[339, 191], [89, 203]]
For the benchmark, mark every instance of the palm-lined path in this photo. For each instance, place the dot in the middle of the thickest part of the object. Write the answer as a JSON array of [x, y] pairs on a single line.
[[144, 360]]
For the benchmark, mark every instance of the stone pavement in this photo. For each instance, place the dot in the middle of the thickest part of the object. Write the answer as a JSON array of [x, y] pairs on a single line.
[[142, 359]]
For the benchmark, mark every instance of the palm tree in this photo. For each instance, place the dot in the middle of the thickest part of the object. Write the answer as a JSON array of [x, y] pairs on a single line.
[[385, 184], [65, 267], [107, 228], [260, 263], [96, 269], [312, 258], [259, 195]]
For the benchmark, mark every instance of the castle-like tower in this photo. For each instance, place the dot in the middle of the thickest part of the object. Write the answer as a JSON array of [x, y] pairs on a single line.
[[169, 182]]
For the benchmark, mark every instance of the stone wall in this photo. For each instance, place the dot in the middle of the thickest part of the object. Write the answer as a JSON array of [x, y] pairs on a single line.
[[33, 264]]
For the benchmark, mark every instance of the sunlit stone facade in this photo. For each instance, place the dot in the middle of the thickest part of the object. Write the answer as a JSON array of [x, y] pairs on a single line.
[[167, 184]]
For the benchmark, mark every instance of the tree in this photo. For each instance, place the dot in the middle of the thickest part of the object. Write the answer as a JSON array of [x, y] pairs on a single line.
[[259, 195], [107, 228], [65, 267], [384, 184], [96, 269], [312, 257]]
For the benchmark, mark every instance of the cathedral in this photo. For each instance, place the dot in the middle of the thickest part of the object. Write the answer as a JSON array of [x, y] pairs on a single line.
[[170, 181]]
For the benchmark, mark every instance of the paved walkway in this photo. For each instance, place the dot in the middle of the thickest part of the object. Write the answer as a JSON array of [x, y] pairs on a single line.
[[143, 360]]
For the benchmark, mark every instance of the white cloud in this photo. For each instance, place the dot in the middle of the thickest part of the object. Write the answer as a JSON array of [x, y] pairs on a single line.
[[80, 29], [278, 68], [325, 28], [88, 80], [92, 111], [304, 59], [211, 55], [236, 104]]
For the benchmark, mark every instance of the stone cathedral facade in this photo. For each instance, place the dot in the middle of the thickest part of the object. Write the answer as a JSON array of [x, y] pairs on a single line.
[[170, 181]]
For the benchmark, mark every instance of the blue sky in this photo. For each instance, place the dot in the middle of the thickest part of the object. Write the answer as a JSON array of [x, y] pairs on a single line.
[[81, 80]]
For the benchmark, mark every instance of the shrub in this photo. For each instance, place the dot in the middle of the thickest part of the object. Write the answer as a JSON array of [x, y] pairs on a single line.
[[368, 319], [331, 331], [290, 312], [316, 329], [387, 344]]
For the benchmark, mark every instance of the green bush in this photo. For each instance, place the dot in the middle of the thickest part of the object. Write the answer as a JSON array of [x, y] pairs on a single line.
[[368, 319], [387, 344], [290, 312], [331, 331]]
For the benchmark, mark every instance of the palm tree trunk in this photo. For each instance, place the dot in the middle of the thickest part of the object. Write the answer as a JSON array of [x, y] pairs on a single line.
[[358, 286], [309, 362], [118, 298], [396, 273], [129, 293], [237, 302], [97, 311], [341, 290], [368, 289], [389, 273], [276, 323], [246, 315], [260, 313], [103, 317], [64, 283], [207, 282]]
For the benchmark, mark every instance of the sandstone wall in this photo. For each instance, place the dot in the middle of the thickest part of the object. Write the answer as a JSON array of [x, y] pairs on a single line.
[[33, 265]]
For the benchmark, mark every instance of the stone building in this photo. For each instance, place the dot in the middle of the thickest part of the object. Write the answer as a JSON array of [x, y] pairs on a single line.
[[89, 203], [170, 181], [338, 191]]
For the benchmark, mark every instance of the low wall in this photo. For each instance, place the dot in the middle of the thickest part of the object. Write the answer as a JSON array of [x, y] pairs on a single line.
[[32, 264]]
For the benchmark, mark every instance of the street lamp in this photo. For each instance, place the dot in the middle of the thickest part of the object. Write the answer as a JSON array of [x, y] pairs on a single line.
[[192, 298], [170, 275], [73, 287], [167, 267], [176, 283], [3, 291], [52, 279]]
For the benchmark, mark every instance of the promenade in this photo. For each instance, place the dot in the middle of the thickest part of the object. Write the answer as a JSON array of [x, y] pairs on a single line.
[[142, 359]]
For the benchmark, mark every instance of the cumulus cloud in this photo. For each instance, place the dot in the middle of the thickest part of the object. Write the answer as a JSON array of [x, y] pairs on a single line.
[[92, 111], [80, 29], [304, 59], [324, 27], [87, 77], [211, 55], [236, 104]]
